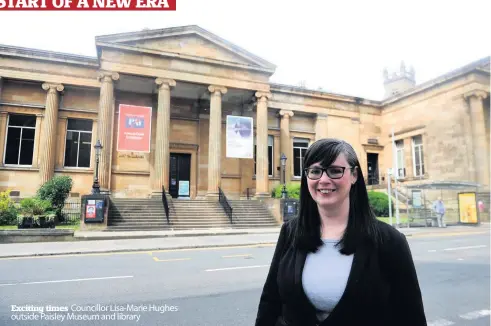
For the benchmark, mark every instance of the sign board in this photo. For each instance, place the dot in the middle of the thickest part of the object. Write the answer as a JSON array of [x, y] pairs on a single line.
[[240, 137], [467, 208], [134, 128], [184, 188], [417, 202]]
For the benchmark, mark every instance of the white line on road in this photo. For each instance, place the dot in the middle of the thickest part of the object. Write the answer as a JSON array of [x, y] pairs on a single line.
[[231, 268], [475, 314], [441, 322], [72, 280], [463, 248]]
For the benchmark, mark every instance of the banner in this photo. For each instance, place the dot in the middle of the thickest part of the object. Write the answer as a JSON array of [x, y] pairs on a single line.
[[467, 208], [135, 128], [91, 5], [240, 141]]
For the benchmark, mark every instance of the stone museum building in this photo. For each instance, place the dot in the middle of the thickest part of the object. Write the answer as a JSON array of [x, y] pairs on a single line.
[[54, 107]]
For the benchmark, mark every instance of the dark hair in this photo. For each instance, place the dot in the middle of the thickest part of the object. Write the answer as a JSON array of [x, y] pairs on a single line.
[[362, 222]]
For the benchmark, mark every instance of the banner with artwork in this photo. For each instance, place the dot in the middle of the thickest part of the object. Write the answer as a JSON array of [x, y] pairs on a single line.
[[135, 127], [239, 138], [467, 208]]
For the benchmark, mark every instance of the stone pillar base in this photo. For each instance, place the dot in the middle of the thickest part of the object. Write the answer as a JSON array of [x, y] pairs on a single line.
[[262, 195], [212, 196]]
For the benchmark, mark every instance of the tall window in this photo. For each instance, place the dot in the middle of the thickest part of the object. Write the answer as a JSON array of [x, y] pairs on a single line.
[[78, 143], [19, 146], [299, 149], [418, 158], [270, 155], [400, 158]]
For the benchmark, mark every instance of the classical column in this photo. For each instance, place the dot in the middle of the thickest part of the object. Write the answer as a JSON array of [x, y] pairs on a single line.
[[285, 142], [215, 139], [480, 149], [105, 126], [48, 140], [262, 181], [37, 141], [1, 86], [321, 126], [161, 161], [3, 134]]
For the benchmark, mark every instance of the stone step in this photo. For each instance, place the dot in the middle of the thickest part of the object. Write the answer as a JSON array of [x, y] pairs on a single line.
[[141, 215], [193, 222], [150, 226]]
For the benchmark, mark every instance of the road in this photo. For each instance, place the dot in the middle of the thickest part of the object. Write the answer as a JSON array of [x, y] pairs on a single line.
[[218, 286]]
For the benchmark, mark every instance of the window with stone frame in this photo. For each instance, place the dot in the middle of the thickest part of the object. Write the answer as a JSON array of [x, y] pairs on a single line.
[[78, 143], [418, 157], [401, 173], [300, 146], [270, 155], [19, 143]]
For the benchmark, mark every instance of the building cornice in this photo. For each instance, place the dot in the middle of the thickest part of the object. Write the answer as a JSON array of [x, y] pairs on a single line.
[[35, 54], [300, 91]]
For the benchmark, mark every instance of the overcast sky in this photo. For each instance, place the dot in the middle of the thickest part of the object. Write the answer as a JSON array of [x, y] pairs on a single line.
[[341, 46]]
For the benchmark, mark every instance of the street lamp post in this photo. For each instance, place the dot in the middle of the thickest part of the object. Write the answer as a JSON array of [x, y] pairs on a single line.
[[283, 172], [95, 185]]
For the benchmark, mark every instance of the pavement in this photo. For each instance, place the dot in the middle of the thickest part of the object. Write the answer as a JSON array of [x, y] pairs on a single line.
[[130, 241]]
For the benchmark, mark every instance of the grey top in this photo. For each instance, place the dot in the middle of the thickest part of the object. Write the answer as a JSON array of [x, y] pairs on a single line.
[[325, 276]]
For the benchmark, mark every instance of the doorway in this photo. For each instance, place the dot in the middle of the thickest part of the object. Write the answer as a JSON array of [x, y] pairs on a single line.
[[179, 175], [372, 168]]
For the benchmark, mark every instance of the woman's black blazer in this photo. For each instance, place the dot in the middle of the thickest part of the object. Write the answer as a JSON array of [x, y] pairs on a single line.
[[382, 288]]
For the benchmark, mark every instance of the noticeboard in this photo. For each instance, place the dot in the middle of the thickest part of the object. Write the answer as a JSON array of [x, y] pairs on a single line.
[[468, 208], [94, 208], [289, 208]]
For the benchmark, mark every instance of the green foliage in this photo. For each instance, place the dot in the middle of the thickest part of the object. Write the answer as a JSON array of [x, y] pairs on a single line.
[[8, 211], [56, 191], [35, 206], [292, 189], [379, 202]]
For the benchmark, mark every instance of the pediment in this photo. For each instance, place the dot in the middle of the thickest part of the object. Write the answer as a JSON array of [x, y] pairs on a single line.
[[189, 42]]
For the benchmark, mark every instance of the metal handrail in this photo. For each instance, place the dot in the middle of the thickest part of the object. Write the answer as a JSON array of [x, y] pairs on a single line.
[[225, 204], [166, 204]]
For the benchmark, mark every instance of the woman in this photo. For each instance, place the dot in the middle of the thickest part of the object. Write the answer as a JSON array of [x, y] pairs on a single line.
[[336, 264]]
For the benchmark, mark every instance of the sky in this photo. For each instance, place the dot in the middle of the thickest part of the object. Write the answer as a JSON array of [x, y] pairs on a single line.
[[340, 46]]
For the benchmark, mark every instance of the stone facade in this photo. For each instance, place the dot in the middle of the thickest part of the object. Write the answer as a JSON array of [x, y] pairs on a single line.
[[54, 107]]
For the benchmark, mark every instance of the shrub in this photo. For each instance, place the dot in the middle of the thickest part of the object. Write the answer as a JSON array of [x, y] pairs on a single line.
[[379, 202], [8, 211], [56, 190], [35, 206], [292, 190]]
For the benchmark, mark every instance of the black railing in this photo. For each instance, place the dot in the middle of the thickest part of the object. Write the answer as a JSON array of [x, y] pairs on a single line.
[[166, 204], [70, 213], [225, 204]]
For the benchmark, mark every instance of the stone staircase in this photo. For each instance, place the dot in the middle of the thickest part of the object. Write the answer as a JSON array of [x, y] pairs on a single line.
[[137, 214], [149, 214]]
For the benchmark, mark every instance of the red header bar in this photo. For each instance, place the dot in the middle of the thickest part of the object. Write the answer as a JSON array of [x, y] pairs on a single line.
[[89, 5]]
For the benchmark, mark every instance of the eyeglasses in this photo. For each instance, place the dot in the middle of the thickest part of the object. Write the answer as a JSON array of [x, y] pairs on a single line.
[[333, 172]]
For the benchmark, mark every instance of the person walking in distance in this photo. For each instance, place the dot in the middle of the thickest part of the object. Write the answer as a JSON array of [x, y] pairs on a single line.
[[336, 264], [439, 209]]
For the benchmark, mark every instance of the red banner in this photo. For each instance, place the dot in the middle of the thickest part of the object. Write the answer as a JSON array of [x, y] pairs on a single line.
[[135, 127], [88, 5]]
